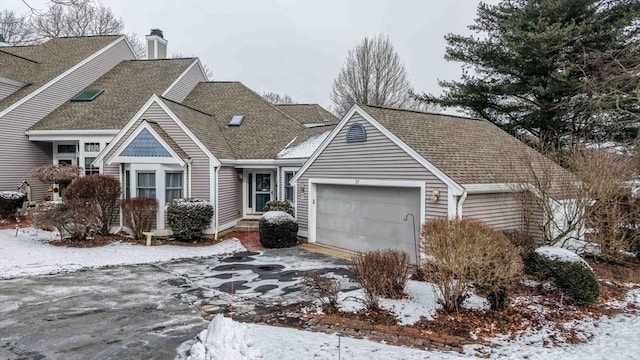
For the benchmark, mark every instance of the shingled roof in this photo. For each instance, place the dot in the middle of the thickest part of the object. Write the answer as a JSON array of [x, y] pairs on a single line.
[[126, 88], [38, 64], [309, 113], [265, 130], [469, 151]]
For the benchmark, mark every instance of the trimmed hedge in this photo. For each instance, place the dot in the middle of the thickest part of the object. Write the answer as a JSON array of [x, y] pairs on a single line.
[[575, 278], [278, 229], [188, 218], [10, 201], [276, 205]]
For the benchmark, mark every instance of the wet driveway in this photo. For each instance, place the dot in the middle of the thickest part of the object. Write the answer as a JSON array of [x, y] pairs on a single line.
[[144, 311]]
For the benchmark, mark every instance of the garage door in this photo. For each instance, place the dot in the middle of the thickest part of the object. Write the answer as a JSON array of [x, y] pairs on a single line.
[[363, 218]]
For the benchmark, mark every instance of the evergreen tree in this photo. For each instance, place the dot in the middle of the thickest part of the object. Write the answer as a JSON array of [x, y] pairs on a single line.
[[537, 66]]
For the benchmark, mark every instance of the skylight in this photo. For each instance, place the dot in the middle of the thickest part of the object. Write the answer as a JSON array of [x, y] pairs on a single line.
[[86, 95], [236, 120]]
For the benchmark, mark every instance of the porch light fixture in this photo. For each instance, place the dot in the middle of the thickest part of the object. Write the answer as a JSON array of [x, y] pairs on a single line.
[[435, 195]]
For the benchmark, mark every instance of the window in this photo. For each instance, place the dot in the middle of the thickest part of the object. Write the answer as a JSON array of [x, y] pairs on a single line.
[[236, 120], [92, 147], [87, 95], [88, 168], [288, 188], [146, 186], [66, 149], [356, 133], [173, 185]]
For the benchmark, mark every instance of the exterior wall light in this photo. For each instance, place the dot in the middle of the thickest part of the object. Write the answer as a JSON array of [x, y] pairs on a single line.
[[435, 195]]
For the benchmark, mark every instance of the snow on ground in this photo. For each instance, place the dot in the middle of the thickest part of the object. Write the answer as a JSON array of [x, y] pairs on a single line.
[[305, 148], [421, 301], [607, 338], [31, 254]]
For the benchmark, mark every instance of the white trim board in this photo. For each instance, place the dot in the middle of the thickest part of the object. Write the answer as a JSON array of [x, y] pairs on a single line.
[[61, 76], [312, 184], [157, 100], [117, 158], [454, 187]]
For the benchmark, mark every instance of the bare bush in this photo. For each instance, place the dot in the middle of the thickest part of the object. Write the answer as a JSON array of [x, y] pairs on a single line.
[[524, 242], [104, 190], [381, 274], [50, 174], [467, 252], [324, 289], [139, 214], [75, 219]]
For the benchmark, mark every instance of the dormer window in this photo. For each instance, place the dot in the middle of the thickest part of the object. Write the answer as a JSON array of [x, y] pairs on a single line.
[[236, 120], [356, 133], [87, 95]]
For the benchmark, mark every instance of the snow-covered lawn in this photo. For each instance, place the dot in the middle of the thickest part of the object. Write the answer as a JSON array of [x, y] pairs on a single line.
[[31, 254], [607, 338]]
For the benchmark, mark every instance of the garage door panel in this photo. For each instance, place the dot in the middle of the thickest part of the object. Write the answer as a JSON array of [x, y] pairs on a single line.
[[364, 218]]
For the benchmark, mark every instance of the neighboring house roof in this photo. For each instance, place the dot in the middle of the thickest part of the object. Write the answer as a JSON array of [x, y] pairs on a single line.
[[125, 88], [265, 130], [306, 143], [309, 113], [39, 64], [469, 151], [204, 127]]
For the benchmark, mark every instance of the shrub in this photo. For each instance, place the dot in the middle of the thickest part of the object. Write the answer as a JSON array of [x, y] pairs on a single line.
[[275, 205], [381, 273], [139, 214], [524, 243], [104, 190], [10, 201], [188, 218], [567, 271], [467, 252], [42, 216], [324, 288], [278, 229], [76, 219], [50, 174]]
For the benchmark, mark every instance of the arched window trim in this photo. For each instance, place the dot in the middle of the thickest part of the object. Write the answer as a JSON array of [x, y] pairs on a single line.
[[356, 133]]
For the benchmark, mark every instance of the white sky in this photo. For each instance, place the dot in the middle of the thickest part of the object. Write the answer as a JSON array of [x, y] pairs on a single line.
[[297, 47]]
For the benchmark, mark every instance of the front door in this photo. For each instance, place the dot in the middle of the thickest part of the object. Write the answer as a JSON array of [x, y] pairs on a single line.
[[263, 189]]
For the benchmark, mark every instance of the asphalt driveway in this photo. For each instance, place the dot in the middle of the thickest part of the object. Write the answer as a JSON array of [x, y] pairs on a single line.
[[144, 311]]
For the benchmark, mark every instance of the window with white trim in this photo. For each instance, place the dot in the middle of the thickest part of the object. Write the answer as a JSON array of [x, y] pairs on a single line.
[[173, 185], [289, 192], [88, 168], [92, 147], [146, 184], [66, 149]]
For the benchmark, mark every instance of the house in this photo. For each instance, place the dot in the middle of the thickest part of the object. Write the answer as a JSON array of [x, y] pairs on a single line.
[[381, 173], [157, 124]]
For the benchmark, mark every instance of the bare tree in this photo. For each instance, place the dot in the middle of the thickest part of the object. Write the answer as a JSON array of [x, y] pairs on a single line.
[[278, 99], [372, 74], [138, 46], [78, 18], [15, 29]]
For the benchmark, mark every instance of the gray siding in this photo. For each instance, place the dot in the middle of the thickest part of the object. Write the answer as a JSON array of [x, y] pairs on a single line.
[[376, 158], [501, 210], [7, 89], [200, 161], [17, 154], [182, 88], [230, 195]]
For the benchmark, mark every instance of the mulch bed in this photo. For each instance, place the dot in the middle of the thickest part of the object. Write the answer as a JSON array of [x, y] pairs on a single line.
[[248, 239], [11, 223], [100, 240]]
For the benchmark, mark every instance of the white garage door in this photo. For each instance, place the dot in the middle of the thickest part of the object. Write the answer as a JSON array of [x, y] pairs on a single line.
[[363, 218]]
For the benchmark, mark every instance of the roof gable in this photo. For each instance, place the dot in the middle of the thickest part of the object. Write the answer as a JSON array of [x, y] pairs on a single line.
[[148, 143], [145, 144]]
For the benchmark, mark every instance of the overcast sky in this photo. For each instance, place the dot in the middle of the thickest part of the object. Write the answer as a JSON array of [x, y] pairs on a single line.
[[297, 47]]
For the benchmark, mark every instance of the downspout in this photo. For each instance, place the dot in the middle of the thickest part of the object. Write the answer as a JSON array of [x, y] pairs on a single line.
[[215, 189], [461, 200], [189, 179], [122, 193]]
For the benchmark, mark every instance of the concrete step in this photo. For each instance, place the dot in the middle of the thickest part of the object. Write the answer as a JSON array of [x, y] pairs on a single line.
[[247, 225]]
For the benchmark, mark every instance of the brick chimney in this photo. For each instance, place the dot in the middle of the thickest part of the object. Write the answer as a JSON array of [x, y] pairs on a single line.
[[156, 45]]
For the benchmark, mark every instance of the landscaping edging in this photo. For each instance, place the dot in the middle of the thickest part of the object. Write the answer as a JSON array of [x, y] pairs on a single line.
[[393, 334]]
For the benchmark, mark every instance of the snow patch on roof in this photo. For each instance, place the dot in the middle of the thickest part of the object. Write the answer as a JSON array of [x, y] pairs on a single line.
[[305, 148]]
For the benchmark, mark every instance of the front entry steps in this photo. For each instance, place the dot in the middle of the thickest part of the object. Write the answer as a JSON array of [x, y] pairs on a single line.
[[247, 225]]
